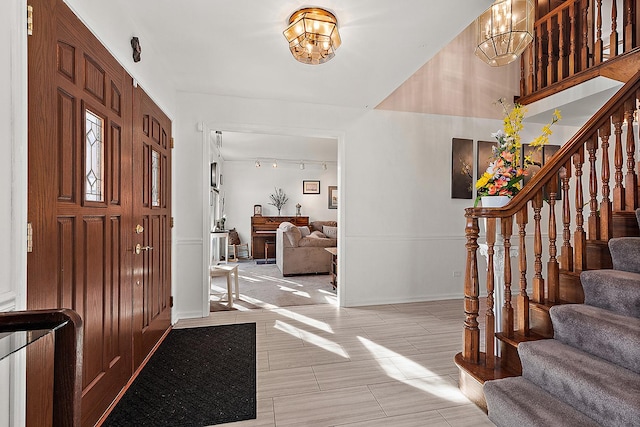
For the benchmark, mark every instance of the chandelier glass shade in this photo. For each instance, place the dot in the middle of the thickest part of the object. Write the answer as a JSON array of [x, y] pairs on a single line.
[[313, 35], [504, 30]]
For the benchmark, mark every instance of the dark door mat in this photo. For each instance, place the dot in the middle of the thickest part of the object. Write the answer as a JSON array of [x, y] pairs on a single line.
[[197, 377]]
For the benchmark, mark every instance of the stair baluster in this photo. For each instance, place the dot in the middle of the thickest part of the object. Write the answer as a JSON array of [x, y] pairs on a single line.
[[606, 224], [579, 237], [522, 217], [507, 309], [618, 189], [538, 280], [594, 219], [490, 326], [553, 272], [566, 252], [630, 179]]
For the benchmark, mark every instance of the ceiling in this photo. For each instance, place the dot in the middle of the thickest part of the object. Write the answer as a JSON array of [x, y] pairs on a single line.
[[236, 48]]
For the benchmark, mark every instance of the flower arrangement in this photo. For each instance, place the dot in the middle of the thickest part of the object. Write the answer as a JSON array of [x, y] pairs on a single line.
[[278, 199], [506, 171]]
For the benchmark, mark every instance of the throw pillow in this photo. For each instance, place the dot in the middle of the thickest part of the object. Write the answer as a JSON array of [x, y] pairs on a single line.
[[317, 235], [234, 239], [330, 232], [304, 231], [294, 236]]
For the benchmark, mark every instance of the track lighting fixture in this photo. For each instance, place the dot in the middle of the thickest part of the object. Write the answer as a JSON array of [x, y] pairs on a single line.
[[302, 164]]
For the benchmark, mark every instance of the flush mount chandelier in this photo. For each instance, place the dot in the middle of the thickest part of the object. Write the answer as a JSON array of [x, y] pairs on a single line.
[[504, 31], [313, 35]]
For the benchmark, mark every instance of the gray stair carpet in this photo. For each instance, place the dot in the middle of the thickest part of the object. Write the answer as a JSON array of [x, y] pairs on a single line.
[[605, 392], [589, 373], [618, 291], [625, 253], [600, 332], [518, 402]]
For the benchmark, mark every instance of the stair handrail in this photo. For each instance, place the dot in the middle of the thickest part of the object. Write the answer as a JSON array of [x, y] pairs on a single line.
[[550, 169]]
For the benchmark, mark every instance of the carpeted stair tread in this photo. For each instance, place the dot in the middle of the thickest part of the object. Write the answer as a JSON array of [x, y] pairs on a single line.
[[518, 402], [618, 291], [625, 253], [605, 392], [600, 332]]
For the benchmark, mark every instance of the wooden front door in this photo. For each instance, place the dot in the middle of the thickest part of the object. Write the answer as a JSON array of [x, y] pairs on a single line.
[[152, 213], [81, 206]]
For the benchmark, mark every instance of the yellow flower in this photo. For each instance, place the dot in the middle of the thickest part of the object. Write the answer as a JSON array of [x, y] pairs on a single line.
[[556, 115], [484, 179]]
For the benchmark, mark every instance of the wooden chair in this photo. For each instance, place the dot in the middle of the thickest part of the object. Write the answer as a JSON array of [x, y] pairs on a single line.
[[237, 249]]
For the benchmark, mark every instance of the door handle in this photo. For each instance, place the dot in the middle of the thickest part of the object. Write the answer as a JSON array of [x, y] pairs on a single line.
[[139, 248]]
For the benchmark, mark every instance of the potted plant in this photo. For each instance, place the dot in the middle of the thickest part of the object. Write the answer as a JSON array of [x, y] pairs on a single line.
[[278, 199]]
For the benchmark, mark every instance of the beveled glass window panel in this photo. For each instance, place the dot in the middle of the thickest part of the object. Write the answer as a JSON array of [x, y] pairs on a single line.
[[94, 157], [155, 178]]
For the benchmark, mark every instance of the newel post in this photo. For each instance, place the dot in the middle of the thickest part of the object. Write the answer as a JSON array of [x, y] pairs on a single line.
[[471, 337]]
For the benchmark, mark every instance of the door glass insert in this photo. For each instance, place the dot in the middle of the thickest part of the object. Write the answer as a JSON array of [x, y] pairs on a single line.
[[94, 157], [155, 178]]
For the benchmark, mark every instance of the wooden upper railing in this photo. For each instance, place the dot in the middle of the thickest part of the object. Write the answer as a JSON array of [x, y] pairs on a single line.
[[581, 200], [579, 40]]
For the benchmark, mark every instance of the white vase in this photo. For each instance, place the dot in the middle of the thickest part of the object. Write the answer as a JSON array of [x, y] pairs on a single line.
[[494, 201]]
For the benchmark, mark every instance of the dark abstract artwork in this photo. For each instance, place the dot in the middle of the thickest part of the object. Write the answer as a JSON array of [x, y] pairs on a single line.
[[461, 168]]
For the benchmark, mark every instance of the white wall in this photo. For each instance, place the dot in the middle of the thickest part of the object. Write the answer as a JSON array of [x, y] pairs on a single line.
[[13, 194], [245, 186], [396, 214]]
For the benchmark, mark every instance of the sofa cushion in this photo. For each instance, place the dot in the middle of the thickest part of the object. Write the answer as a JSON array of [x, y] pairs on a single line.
[[317, 225], [330, 232], [304, 231], [317, 235], [316, 242], [292, 232]]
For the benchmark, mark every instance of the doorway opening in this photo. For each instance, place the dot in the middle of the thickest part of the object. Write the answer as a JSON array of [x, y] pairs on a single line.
[[251, 168]]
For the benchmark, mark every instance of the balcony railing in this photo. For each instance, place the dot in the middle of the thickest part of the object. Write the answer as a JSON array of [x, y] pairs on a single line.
[[579, 40]]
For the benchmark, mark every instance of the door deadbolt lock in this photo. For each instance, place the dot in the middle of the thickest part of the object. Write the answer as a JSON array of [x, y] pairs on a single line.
[[139, 229], [139, 248]]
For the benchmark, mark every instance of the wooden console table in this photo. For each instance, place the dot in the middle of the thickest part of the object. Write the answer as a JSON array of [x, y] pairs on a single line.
[[21, 328], [263, 229], [334, 266]]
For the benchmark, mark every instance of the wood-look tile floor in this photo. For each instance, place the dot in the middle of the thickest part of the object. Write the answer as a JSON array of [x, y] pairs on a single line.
[[388, 365]]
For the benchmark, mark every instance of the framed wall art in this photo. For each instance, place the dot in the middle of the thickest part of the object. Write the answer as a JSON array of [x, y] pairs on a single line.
[[310, 187], [333, 196], [461, 168], [485, 150]]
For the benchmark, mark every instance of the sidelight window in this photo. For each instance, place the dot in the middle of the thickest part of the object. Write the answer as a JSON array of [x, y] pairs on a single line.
[[155, 178], [94, 157]]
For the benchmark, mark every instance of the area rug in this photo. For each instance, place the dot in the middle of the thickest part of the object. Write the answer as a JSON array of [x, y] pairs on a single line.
[[197, 377], [264, 286]]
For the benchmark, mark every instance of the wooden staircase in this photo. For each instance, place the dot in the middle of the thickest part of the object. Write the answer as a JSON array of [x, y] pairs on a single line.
[[581, 246], [587, 195]]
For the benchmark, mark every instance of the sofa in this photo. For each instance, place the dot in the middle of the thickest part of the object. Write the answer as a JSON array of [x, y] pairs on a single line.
[[300, 250]]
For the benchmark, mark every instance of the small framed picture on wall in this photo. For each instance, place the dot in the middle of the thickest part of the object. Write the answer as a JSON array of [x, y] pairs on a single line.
[[333, 197], [310, 187]]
